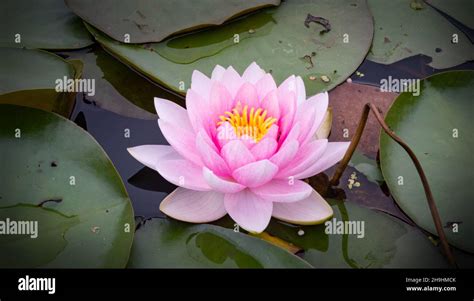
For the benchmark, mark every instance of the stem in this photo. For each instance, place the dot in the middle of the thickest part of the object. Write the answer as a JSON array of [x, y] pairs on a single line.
[[352, 147], [429, 195]]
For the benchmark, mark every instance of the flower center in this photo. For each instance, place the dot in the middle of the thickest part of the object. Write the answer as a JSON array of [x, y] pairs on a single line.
[[253, 123]]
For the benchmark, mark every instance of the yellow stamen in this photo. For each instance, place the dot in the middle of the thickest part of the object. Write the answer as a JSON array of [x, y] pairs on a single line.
[[253, 123]]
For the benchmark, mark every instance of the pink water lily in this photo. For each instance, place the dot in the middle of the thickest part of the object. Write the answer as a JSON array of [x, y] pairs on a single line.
[[243, 147]]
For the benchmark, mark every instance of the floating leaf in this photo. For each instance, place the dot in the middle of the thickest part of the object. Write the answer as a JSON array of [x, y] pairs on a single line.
[[276, 38], [45, 24], [57, 175], [142, 21], [386, 242], [461, 10], [117, 88], [161, 243], [402, 32], [50, 228], [29, 78], [437, 125], [366, 166], [278, 242]]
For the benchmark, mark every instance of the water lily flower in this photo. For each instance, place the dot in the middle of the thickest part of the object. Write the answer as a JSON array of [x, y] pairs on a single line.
[[243, 147]]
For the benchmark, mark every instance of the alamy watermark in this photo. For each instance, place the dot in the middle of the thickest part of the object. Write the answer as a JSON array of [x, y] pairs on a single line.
[[14, 227], [334, 226], [85, 85], [28, 283], [397, 85]]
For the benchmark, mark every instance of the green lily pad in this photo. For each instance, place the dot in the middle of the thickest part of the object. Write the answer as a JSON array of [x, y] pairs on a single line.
[[55, 174], [366, 166], [387, 242], [163, 243], [276, 38], [45, 24], [437, 125], [461, 10], [118, 88], [142, 21], [402, 31], [28, 77]]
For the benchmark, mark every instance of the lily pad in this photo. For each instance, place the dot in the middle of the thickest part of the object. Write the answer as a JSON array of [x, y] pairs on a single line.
[[276, 38], [142, 21], [387, 242], [437, 125], [163, 243], [118, 88], [57, 175], [28, 77], [366, 166], [45, 24], [461, 10], [402, 31]]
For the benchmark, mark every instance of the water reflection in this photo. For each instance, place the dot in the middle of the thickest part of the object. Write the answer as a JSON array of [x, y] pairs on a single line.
[[117, 87], [115, 133]]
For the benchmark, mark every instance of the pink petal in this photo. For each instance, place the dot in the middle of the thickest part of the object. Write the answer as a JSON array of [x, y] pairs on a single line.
[[219, 184], [225, 134], [300, 90], [265, 85], [256, 173], [181, 172], [287, 102], [200, 83], [247, 95], [220, 101], [312, 210], [194, 206], [181, 139], [205, 137], [232, 81], [217, 73], [253, 73], [311, 114], [198, 112], [171, 112], [295, 85], [249, 211], [247, 140], [210, 157], [334, 153], [264, 148], [285, 154], [148, 155], [288, 85], [272, 132], [286, 191], [271, 105], [236, 154], [293, 134], [307, 155]]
